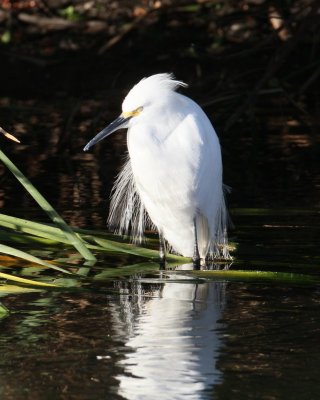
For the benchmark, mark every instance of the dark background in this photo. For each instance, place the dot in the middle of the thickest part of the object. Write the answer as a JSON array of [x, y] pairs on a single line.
[[65, 67]]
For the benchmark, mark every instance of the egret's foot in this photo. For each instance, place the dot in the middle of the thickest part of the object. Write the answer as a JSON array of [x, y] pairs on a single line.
[[196, 255], [162, 264], [162, 257], [162, 251], [162, 254], [196, 262]]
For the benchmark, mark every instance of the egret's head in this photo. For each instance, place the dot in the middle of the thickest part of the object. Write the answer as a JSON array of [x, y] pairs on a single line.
[[143, 97], [149, 92]]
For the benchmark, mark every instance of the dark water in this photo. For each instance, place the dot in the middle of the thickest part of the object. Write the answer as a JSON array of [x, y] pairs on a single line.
[[163, 336], [130, 331]]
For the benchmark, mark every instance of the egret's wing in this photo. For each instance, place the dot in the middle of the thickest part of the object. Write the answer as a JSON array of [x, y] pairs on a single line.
[[200, 155]]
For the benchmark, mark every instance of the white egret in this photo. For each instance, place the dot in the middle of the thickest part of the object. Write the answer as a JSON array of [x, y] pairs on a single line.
[[173, 175]]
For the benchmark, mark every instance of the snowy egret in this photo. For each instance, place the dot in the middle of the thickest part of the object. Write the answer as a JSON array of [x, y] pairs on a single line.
[[172, 179]]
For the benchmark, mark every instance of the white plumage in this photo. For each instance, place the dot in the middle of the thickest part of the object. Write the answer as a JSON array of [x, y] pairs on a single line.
[[173, 175]]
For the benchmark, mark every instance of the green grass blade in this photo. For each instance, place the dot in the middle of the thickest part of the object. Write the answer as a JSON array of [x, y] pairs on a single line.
[[127, 270], [239, 275], [26, 239], [25, 281], [19, 225], [27, 226], [46, 206], [227, 275], [135, 250], [6, 289], [26, 256], [99, 241], [3, 311]]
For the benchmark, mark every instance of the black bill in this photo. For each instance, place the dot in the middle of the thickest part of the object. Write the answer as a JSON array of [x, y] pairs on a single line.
[[118, 123]]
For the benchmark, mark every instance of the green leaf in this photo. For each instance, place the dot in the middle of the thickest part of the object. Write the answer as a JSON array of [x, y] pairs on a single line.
[[7, 289], [22, 254], [3, 310], [240, 275], [25, 281], [134, 250], [6, 37], [34, 228], [70, 13], [99, 241], [108, 273], [75, 240], [25, 239]]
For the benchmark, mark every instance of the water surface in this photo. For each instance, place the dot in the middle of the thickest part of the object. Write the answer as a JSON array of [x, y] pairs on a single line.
[[130, 331], [163, 335]]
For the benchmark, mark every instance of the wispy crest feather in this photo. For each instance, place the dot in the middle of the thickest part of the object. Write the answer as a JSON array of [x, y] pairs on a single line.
[[164, 81], [154, 86]]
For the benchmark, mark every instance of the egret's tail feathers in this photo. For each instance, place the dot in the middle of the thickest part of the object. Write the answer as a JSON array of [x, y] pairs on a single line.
[[127, 213], [226, 188]]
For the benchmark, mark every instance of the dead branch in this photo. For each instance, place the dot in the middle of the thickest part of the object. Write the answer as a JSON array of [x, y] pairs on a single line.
[[47, 23]]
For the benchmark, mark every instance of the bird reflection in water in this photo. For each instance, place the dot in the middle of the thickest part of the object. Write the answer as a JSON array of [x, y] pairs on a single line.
[[170, 325]]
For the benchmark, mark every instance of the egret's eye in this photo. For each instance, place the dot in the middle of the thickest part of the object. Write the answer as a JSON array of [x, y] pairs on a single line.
[[137, 111], [134, 113]]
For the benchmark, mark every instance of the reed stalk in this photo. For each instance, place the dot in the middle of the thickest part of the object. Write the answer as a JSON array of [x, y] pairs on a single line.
[[75, 240]]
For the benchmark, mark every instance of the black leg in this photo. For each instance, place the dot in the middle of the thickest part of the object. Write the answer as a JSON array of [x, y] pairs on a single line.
[[196, 255], [162, 250]]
